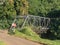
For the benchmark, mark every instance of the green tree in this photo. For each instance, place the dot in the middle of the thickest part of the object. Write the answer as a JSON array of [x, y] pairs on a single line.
[[9, 8], [21, 7]]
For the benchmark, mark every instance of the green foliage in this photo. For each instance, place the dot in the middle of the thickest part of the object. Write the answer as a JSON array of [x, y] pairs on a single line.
[[7, 14], [2, 43], [55, 27], [21, 7], [38, 7]]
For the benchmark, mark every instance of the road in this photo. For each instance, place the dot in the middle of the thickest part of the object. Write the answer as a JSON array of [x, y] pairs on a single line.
[[12, 40]]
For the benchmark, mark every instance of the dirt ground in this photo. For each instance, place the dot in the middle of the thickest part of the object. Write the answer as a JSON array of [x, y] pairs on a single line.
[[11, 40]]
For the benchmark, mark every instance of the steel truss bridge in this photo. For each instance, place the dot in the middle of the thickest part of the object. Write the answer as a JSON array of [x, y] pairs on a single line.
[[41, 24]]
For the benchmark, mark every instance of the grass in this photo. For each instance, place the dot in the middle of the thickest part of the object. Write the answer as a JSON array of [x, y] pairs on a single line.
[[50, 42], [27, 33], [2, 43]]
